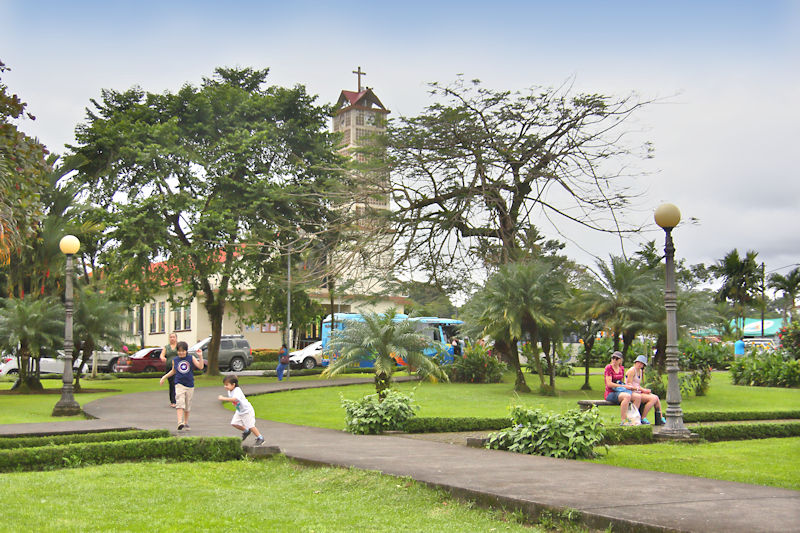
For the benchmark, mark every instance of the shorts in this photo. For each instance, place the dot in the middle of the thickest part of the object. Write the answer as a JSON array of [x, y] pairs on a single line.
[[183, 397], [246, 419], [613, 397]]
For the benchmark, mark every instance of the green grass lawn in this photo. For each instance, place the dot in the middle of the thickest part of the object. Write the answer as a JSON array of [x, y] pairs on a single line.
[[273, 495], [321, 407], [29, 408], [762, 462]]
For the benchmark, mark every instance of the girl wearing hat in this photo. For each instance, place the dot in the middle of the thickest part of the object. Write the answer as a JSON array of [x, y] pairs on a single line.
[[633, 378], [616, 390]]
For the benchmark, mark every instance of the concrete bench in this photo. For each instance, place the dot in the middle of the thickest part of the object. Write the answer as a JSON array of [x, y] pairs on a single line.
[[585, 405]]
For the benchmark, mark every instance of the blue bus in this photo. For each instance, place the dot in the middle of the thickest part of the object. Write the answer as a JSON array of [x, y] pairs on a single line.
[[440, 331]]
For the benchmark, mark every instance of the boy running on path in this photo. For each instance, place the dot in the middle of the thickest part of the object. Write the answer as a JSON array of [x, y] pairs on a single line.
[[244, 417], [182, 368]]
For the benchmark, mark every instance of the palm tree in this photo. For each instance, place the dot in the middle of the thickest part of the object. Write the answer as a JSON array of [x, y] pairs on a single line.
[[97, 321], [695, 308], [740, 281], [619, 288], [523, 299], [28, 326], [384, 340], [789, 285], [586, 324]]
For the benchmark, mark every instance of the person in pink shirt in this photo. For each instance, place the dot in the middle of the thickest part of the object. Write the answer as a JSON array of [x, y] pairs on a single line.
[[616, 390]]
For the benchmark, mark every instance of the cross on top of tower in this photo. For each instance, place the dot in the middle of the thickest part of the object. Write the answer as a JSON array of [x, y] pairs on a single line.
[[359, 73]]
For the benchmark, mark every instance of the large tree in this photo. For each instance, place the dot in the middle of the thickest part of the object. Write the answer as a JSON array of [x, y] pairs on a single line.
[[214, 181], [23, 169], [520, 303], [789, 285], [472, 173], [741, 278]]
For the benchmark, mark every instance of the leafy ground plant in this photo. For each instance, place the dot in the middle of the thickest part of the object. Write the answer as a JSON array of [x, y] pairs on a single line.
[[569, 435], [370, 416]]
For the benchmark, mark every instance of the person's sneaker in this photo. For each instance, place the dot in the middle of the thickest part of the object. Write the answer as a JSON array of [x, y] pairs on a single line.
[[245, 434], [645, 422], [186, 427], [260, 440], [181, 426]]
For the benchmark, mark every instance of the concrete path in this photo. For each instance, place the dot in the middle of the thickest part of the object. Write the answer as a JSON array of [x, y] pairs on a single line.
[[631, 500]]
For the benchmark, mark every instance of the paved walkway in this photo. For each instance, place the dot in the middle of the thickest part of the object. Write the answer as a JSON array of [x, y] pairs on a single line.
[[603, 494]]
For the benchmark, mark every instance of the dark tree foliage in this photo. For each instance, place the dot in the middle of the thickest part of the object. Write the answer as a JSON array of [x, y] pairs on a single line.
[[205, 187], [478, 172]]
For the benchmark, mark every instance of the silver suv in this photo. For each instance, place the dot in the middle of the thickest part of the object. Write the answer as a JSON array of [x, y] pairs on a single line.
[[234, 352]]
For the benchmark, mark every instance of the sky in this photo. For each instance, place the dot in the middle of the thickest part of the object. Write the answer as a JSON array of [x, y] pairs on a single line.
[[725, 74]]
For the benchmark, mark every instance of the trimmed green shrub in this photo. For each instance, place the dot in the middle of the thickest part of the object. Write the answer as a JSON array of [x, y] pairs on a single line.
[[476, 366], [766, 369], [569, 435], [445, 425], [370, 416], [94, 453], [720, 432], [72, 438], [715, 416], [628, 435], [263, 355]]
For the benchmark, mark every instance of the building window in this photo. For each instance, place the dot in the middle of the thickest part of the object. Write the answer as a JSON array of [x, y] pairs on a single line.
[[360, 118], [187, 317], [131, 322], [162, 318], [347, 118], [269, 327], [152, 318], [176, 319]]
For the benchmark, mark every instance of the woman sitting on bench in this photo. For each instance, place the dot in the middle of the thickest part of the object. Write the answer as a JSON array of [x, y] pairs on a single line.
[[633, 378], [616, 390]]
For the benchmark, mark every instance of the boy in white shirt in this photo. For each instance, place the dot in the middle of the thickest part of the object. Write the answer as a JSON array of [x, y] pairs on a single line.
[[244, 417]]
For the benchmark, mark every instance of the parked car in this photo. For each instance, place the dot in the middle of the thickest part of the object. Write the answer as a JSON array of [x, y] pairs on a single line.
[[308, 357], [145, 360], [47, 365], [106, 360], [234, 352]]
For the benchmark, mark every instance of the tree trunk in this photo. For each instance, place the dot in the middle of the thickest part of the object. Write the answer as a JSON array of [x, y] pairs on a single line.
[[661, 353], [383, 382], [553, 368], [616, 341], [519, 384], [503, 349], [587, 354], [627, 341]]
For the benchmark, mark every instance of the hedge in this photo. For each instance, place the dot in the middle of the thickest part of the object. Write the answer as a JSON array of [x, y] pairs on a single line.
[[712, 416], [73, 438], [444, 425], [95, 453], [628, 435], [720, 432]]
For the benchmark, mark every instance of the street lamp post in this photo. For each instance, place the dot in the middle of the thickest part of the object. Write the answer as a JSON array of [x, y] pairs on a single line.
[[67, 406], [667, 216]]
